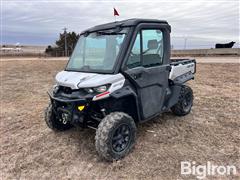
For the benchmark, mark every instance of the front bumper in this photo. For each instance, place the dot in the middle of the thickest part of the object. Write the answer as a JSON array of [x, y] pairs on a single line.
[[66, 109]]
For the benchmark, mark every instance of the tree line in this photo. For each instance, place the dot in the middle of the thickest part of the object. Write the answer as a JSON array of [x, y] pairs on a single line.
[[59, 48]]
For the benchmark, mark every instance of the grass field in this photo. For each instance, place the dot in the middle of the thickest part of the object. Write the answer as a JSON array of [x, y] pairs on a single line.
[[29, 150]]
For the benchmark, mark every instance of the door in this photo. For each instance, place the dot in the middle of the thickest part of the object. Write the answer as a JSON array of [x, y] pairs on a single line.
[[147, 71]]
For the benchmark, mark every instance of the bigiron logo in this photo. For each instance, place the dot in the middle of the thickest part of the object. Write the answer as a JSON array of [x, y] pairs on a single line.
[[208, 169]]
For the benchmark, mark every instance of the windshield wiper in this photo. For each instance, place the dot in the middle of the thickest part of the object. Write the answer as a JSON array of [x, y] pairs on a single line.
[[114, 31], [108, 33], [85, 68]]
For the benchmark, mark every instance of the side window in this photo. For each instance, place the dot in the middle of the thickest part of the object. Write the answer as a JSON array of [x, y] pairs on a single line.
[[134, 59], [151, 53], [152, 47]]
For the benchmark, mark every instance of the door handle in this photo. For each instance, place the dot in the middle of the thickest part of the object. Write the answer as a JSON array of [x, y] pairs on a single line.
[[137, 75]]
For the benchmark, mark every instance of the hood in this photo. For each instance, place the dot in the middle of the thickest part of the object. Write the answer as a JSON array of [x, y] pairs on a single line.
[[76, 80]]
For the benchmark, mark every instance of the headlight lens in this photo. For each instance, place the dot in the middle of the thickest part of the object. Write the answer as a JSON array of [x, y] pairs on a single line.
[[89, 90], [55, 89], [101, 89]]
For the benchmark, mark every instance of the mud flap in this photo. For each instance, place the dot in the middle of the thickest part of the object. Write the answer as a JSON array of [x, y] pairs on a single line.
[[175, 93]]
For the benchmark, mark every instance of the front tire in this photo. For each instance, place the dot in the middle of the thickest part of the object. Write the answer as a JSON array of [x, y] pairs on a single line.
[[53, 122], [115, 136], [185, 102]]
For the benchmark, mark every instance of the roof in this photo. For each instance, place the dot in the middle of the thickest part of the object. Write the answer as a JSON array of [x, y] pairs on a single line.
[[125, 23]]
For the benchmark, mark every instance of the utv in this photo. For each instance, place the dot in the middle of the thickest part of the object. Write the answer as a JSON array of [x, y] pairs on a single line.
[[120, 74]]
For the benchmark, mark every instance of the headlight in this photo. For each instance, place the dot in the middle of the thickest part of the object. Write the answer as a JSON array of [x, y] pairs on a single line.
[[101, 89], [89, 90], [55, 89]]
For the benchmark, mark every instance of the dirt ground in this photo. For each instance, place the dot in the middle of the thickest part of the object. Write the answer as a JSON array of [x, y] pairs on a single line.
[[30, 150]]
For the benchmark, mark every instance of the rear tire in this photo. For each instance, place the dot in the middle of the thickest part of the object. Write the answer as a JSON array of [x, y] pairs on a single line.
[[185, 102], [115, 136], [52, 121]]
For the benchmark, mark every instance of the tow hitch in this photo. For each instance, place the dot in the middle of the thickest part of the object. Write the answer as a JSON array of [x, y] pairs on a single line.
[[65, 118]]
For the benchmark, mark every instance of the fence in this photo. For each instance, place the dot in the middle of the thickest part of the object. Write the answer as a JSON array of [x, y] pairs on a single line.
[[207, 52], [174, 53], [10, 52]]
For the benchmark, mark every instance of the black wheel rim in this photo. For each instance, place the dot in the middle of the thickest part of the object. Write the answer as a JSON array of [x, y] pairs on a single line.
[[187, 102], [121, 138]]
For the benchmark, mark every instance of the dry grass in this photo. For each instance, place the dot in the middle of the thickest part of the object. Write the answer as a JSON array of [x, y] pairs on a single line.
[[29, 150]]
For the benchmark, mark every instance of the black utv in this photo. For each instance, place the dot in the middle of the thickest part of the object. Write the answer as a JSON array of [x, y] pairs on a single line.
[[120, 74]]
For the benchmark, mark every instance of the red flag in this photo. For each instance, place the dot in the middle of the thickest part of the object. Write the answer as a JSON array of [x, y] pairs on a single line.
[[115, 12]]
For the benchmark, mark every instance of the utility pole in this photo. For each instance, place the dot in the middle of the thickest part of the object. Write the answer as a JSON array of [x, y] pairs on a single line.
[[185, 42], [65, 40]]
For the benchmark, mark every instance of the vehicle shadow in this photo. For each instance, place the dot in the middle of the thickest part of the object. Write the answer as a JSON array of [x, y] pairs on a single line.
[[83, 140]]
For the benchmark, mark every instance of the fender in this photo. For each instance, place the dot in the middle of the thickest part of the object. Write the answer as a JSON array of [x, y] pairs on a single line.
[[128, 92], [174, 97]]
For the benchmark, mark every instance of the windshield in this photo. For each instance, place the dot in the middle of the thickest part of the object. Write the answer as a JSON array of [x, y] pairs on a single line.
[[97, 51]]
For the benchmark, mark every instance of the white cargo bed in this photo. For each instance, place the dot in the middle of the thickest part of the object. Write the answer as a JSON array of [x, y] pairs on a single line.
[[182, 70]]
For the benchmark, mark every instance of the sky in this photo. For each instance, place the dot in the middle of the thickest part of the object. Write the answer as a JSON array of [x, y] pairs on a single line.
[[199, 23]]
